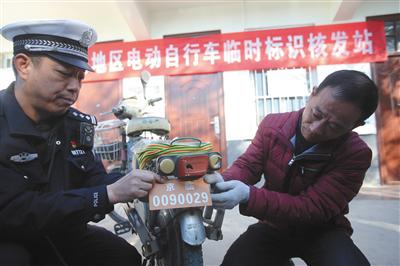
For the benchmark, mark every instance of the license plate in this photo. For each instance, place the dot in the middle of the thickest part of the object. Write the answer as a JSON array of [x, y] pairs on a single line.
[[179, 194]]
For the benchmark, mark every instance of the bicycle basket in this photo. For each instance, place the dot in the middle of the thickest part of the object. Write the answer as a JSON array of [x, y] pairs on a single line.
[[108, 140]]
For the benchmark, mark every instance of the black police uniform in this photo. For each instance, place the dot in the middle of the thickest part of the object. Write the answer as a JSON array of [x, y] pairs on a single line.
[[51, 186]]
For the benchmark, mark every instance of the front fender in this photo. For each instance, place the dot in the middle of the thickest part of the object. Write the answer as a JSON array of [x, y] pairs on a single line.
[[192, 227]]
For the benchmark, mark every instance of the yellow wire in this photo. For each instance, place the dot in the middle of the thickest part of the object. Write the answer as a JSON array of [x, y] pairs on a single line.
[[155, 150]]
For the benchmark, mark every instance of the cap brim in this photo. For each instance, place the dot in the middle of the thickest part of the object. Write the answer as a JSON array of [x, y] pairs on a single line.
[[70, 60]]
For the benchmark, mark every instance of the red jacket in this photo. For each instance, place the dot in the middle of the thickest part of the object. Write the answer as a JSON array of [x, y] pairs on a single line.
[[311, 190]]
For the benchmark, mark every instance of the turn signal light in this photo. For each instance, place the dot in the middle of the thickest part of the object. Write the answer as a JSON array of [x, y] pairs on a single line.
[[215, 161], [166, 166]]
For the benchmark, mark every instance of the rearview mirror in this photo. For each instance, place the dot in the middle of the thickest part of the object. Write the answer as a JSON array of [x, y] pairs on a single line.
[[144, 78]]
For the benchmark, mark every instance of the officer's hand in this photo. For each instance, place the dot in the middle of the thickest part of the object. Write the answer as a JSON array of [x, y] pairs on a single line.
[[229, 194], [213, 178], [135, 184]]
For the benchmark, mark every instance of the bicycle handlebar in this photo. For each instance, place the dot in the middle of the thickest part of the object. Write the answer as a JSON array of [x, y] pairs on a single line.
[[154, 100]]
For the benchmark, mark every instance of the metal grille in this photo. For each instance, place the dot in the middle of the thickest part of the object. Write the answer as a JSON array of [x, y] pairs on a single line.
[[272, 97]]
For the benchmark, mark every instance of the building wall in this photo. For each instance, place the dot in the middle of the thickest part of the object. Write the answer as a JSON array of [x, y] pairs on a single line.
[[6, 77], [231, 17], [376, 8]]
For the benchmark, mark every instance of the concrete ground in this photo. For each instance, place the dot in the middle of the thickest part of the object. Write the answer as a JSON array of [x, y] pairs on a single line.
[[374, 213]]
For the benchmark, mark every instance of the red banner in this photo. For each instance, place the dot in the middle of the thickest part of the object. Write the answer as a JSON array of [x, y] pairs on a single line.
[[264, 49]]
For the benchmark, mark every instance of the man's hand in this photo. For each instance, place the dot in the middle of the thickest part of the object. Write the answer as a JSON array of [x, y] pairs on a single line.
[[229, 194], [135, 184], [213, 178]]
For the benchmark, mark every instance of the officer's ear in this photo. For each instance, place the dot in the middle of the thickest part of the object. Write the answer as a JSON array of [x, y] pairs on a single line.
[[23, 65]]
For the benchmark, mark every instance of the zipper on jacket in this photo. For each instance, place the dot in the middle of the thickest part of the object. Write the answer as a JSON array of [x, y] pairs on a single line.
[[295, 158], [314, 156]]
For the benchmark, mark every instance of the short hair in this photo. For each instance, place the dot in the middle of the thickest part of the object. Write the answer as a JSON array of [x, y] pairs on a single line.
[[35, 59], [354, 87]]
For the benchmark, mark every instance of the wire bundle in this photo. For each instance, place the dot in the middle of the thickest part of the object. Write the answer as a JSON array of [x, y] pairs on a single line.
[[155, 150]]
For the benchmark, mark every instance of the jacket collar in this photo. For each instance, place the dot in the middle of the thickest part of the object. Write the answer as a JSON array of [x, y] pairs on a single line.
[[289, 128], [18, 122]]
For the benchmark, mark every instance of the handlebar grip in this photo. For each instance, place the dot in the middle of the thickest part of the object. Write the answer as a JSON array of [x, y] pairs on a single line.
[[106, 113], [118, 110]]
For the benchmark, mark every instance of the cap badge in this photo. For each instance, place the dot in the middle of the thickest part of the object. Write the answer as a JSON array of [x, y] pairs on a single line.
[[86, 38]]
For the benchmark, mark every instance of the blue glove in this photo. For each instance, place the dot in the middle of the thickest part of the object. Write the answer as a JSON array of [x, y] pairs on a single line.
[[213, 178], [229, 194]]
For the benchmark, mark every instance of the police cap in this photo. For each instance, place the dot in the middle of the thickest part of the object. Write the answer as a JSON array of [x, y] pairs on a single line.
[[64, 40]]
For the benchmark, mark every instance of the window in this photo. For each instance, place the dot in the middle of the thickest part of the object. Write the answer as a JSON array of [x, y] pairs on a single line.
[[392, 31], [281, 90], [6, 60]]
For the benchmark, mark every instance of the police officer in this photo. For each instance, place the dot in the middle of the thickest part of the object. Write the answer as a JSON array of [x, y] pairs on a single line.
[[51, 186]]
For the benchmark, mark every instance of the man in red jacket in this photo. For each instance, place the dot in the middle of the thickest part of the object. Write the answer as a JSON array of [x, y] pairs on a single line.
[[313, 166]]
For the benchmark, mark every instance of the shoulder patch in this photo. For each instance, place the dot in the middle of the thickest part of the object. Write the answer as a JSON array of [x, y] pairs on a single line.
[[77, 115]]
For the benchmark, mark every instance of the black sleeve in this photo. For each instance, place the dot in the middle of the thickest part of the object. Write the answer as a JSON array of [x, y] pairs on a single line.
[[96, 175], [25, 212]]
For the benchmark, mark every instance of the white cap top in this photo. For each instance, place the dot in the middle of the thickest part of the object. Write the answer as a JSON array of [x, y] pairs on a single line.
[[70, 29], [64, 40]]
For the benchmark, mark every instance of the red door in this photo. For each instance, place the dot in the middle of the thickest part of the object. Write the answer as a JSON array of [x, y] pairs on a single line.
[[387, 77], [195, 108], [96, 98]]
